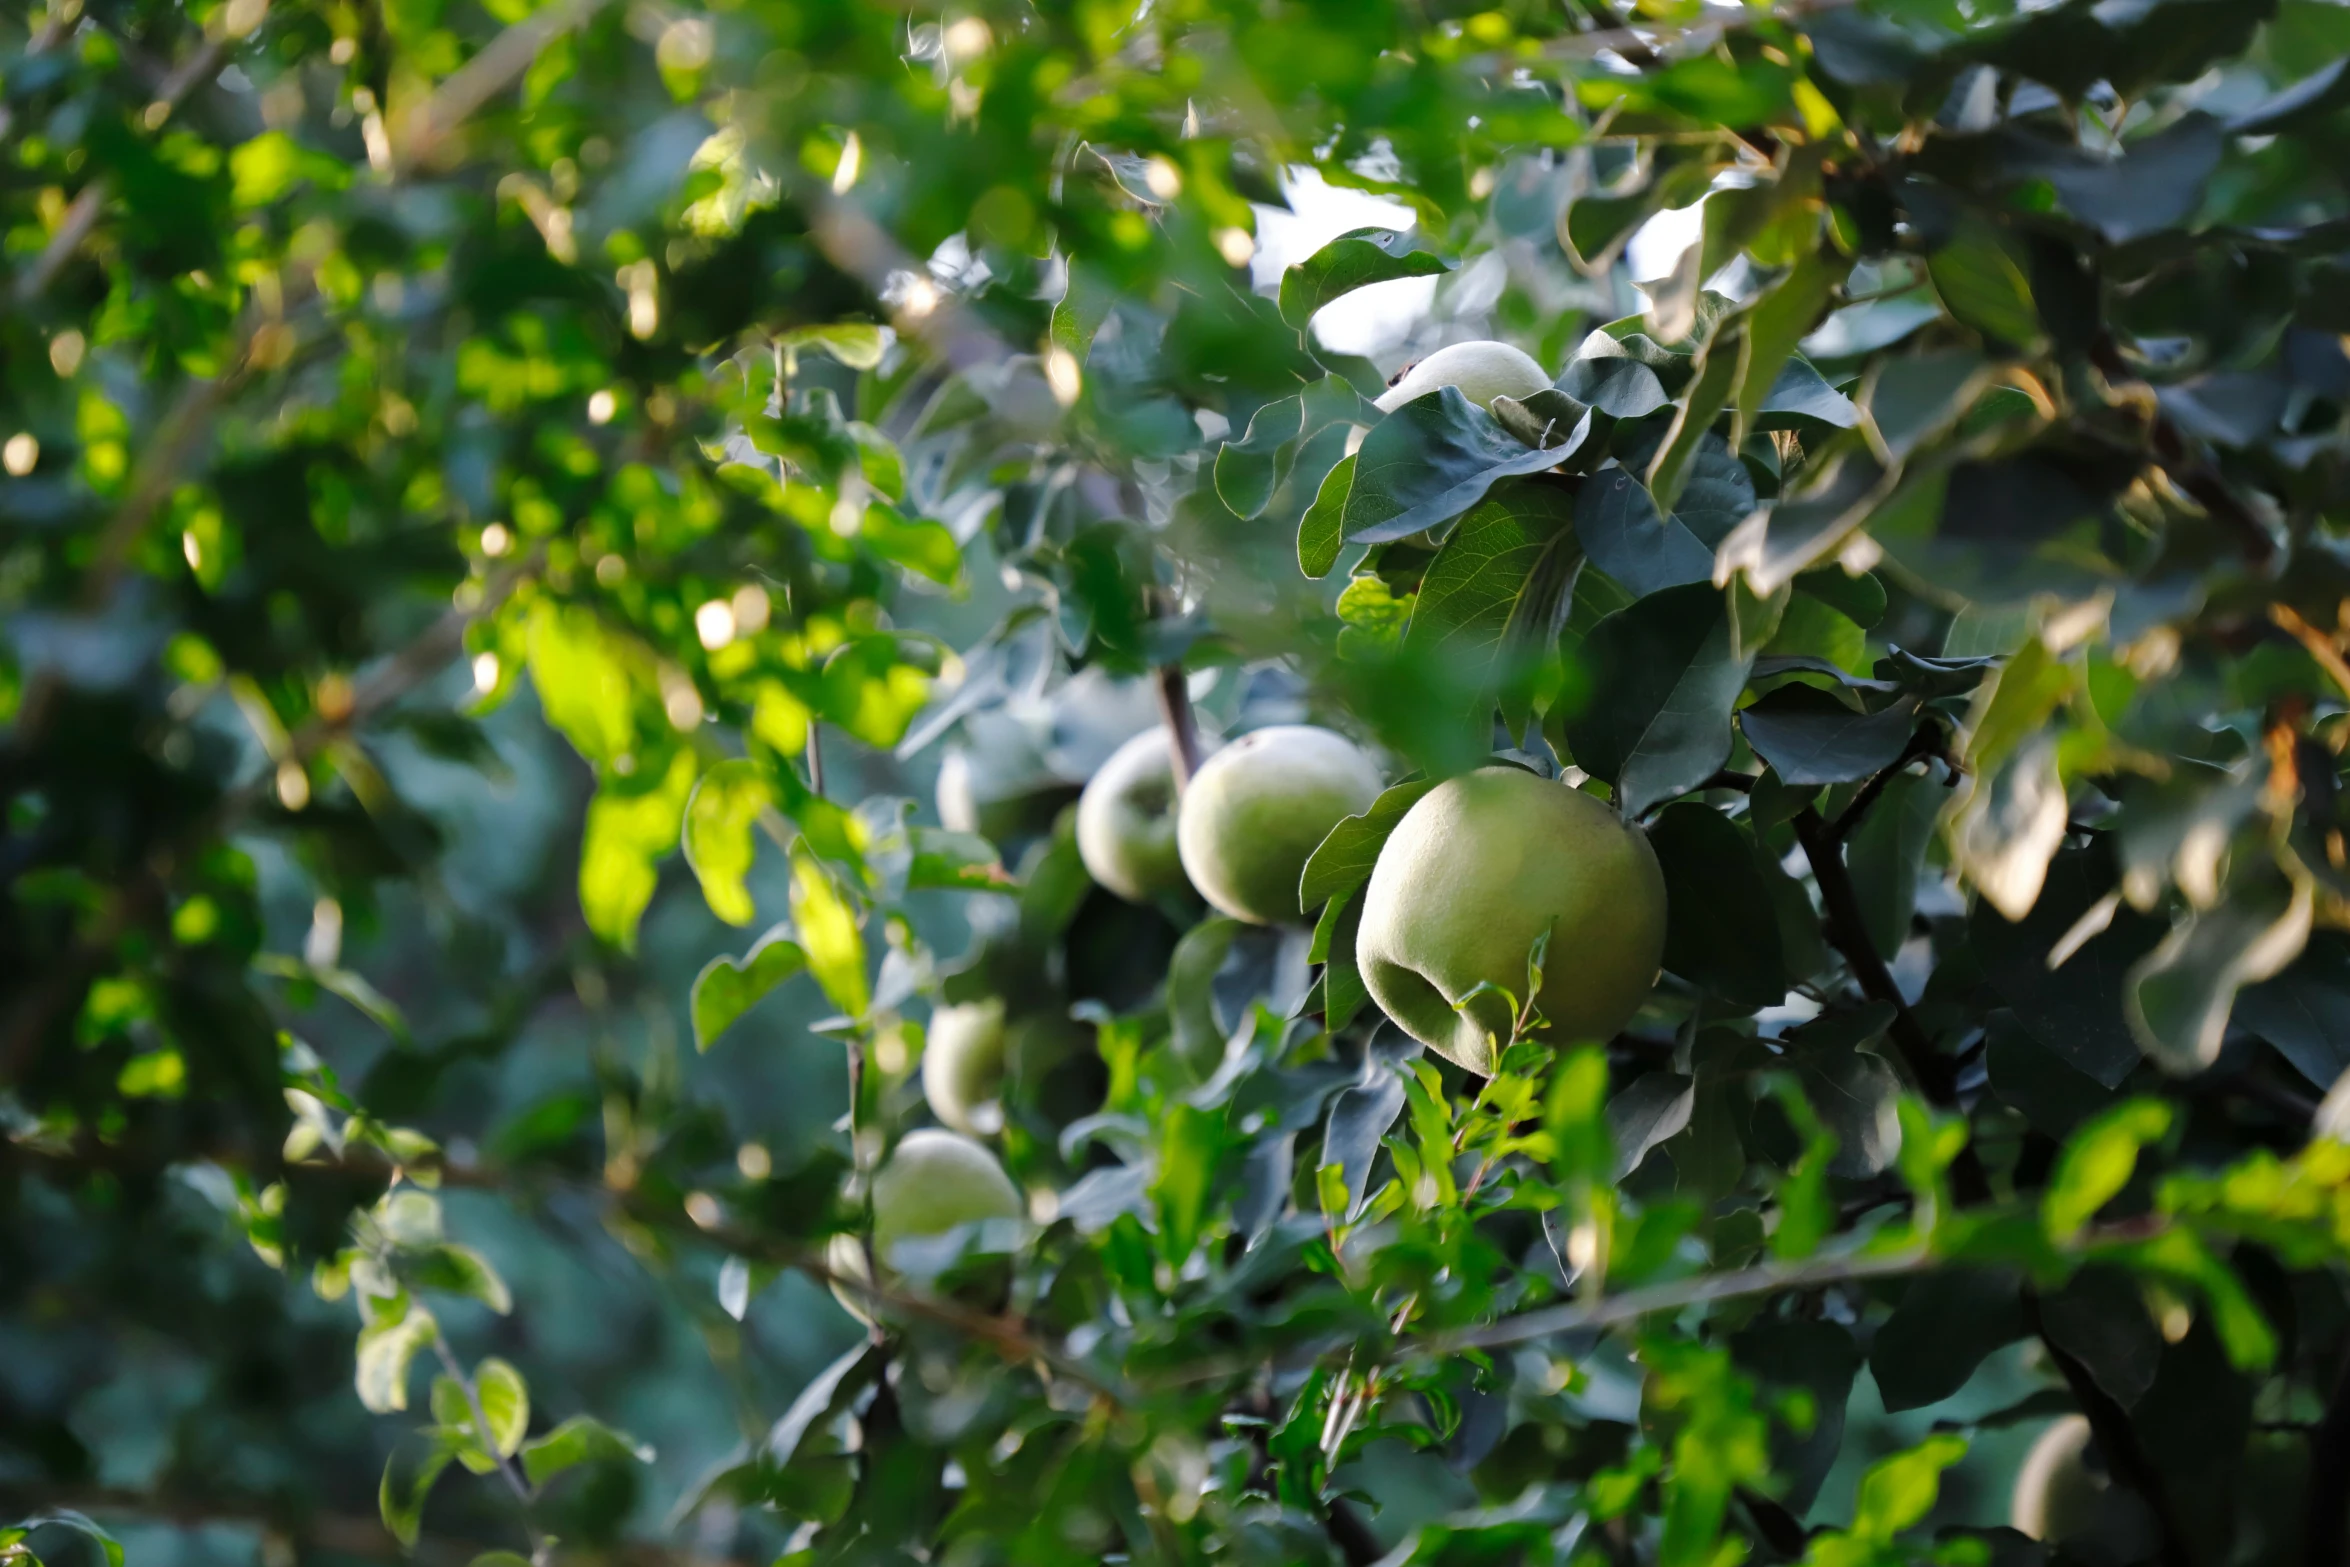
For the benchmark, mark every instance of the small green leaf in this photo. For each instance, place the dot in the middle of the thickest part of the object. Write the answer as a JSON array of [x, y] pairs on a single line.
[[407, 1483], [726, 989], [386, 1350], [719, 816], [458, 1270], [1320, 535], [827, 926], [2097, 1163], [1984, 285], [579, 1440], [1344, 859]]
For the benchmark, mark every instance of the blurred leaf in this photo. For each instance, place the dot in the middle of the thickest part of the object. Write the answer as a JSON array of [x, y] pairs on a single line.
[[632, 825], [1985, 287], [407, 1484], [2178, 997], [579, 1440], [725, 805], [1321, 534], [726, 989], [1344, 860], [2097, 1163], [1651, 1109], [386, 1350], [829, 939]]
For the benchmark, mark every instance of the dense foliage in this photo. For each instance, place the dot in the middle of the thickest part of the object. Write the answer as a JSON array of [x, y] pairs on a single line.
[[508, 509]]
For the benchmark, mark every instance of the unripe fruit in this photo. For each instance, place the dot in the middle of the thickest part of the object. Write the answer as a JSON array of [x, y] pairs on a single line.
[[2056, 1496], [1126, 821], [1477, 870], [963, 1067], [1258, 809], [932, 1182], [1482, 370]]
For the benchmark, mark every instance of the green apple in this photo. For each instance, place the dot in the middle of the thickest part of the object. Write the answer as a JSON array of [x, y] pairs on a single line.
[[1478, 869], [932, 1182], [2057, 1496], [1258, 809], [963, 1066], [1126, 821], [1482, 370]]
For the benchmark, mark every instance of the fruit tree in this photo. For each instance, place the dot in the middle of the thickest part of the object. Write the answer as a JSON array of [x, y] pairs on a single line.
[[1242, 781]]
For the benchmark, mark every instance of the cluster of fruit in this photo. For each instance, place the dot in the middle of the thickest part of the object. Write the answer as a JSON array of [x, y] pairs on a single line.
[[1482, 872]]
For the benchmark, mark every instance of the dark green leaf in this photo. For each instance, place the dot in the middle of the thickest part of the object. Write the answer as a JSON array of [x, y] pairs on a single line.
[[1671, 679], [1428, 462], [1720, 929], [1809, 737], [1616, 518], [1944, 1326], [1351, 261]]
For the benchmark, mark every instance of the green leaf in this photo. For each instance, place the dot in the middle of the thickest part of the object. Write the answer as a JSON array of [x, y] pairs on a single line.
[[1810, 737], [1720, 368], [1249, 471], [579, 1440], [584, 681], [1721, 931], [1426, 463], [387, 1349], [1321, 534], [1896, 1493], [856, 344], [1617, 520], [407, 1484], [64, 1518], [725, 805], [1353, 260], [1344, 859], [1191, 1003], [1776, 323], [1085, 303], [2178, 997], [2097, 1163], [1669, 677], [632, 825], [1985, 285], [458, 1270], [726, 989], [1493, 601], [827, 926], [1939, 1333]]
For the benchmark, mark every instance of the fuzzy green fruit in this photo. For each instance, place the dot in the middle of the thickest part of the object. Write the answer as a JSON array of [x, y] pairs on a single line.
[[1482, 370], [963, 1067], [1258, 809], [2057, 1497], [1477, 870], [1126, 821], [932, 1182]]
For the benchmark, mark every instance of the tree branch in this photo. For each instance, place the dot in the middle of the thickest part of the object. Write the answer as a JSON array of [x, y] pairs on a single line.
[[2325, 1528], [1847, 931], [1182, 732], [2117, 1439]]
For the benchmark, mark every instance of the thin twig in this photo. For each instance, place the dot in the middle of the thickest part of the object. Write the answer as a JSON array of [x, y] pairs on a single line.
[[489, 1438]]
